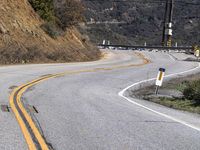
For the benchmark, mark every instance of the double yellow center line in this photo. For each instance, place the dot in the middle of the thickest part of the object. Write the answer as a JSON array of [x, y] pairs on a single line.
[[32, 135]]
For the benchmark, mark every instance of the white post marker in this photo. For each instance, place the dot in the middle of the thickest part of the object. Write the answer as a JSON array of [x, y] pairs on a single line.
[[197, 53], [159, 79], [104, 42]]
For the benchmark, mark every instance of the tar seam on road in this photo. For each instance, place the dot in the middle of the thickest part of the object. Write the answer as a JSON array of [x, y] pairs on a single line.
[[121, 94], [32, 135], [172, 57]]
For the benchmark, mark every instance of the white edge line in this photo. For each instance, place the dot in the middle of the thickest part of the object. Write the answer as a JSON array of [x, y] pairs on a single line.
[[121, 94]]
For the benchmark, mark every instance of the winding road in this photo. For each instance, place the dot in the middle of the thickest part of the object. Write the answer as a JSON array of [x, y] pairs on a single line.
[[86, 106]]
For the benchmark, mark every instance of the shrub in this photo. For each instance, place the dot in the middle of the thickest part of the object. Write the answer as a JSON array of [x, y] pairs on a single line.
[[70, 13], [44, 8], [192, 91], [58, 14], [16, 53], [52, 29]]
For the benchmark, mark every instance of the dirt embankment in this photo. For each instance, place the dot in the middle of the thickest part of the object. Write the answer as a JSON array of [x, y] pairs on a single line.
[[22, 39]]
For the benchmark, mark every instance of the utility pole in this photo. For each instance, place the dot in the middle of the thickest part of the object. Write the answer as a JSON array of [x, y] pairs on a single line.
[[164, 23], [167, 26], [169, 36]]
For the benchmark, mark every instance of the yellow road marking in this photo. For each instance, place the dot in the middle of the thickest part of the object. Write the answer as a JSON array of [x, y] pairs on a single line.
[[29, 119], [21, 89], [25, 132], [160, 76]]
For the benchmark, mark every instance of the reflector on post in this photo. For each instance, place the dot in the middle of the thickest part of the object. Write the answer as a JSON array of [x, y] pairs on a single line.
[[160, 76], [159, 79]]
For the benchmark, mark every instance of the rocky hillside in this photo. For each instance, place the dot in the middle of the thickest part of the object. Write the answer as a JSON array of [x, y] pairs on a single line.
[[24, 40], [130, 22]]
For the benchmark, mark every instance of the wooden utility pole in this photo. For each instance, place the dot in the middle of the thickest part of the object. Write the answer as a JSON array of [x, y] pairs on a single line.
[[167, 25], [164, 23]]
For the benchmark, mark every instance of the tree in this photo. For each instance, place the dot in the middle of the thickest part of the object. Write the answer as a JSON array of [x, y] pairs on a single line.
[[44, 8], [70, 12]]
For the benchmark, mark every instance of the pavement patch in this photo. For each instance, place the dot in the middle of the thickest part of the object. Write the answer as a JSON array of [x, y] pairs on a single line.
[[5, 108], [12, 87]]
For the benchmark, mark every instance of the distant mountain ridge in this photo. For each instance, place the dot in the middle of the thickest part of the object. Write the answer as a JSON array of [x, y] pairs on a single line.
[[143, 22]]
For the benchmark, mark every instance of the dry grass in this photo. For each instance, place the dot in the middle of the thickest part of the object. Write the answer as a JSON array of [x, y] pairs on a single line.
[[184, 104], [25, 42]]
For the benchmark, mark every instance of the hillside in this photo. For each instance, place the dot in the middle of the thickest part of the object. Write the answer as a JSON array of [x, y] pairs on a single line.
[[22, 39], [129, 22]]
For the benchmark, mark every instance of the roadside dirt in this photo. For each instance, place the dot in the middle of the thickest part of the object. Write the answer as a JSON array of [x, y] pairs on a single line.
[[170, 85], [170, 94], [22, 39]]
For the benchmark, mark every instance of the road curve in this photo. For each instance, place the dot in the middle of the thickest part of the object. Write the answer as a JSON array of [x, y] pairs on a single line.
[[79, 106], [31, 133]]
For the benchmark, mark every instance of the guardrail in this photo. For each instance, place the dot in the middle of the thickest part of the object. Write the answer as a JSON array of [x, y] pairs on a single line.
[[187, 48]]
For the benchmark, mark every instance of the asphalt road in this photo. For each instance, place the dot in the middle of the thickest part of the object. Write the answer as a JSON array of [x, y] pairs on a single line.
[[83, 110]]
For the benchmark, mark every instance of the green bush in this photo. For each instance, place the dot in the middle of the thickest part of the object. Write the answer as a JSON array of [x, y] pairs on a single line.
[[44, 8], [70, 13], [52, 29], [192, 91], [58, 15]]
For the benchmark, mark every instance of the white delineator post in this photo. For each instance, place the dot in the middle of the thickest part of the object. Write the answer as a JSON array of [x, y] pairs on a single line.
[[159, 79], [197, 53], [104, 42]]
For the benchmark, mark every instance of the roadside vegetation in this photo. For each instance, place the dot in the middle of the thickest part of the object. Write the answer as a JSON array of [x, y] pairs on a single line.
[[44, 33], [192, 91], [44, 8], [58, 17], [177, 103], [140, 22], [189, 101]]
